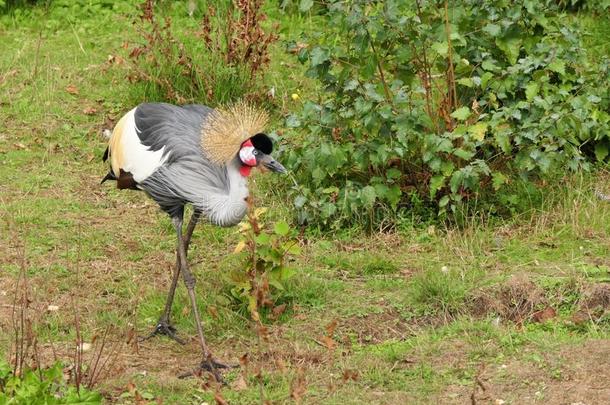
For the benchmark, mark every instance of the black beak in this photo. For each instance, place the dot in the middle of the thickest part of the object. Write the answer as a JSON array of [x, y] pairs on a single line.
[[272, 164]]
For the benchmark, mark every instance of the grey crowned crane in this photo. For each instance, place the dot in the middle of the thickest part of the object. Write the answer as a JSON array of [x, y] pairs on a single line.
[[194, 155]]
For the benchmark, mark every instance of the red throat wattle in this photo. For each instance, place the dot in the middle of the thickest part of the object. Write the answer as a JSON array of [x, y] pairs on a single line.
[[245, 170]]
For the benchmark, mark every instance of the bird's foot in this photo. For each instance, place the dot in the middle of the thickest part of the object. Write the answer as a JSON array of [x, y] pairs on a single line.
[[211, 366], [164, 328]]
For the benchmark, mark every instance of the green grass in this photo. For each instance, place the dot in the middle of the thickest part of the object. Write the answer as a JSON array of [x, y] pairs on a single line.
[[402, 301]]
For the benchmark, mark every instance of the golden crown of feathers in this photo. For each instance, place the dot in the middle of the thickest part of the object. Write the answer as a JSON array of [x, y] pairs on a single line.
[[227, 127]]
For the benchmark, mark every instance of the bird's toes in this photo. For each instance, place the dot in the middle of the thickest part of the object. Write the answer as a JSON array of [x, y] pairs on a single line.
[[164, 328], [211, 366]]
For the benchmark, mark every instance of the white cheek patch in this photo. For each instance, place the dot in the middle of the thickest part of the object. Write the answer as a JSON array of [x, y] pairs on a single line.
[[246, 155]]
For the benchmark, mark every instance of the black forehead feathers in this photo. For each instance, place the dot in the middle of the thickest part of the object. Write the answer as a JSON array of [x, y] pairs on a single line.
[[263, 143]]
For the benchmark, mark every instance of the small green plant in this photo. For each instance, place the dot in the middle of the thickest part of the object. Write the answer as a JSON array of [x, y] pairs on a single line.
[[41, 387], [440, 292], [260, 279]]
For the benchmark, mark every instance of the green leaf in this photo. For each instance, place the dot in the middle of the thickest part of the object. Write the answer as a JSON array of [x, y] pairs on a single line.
[[281, 228], [148, 395], [503, 141], [287, 272], [305, 5], [319, 56], [292, 121], [292, 247], [300, 201], [492, 29], [489, 65], [463, 154], [498, 179], [461, 113], [558, 66], [531, 90], [393, 196], [442, 48], [262, 239], [510, 46], [5, 369], [328, 210], [436, 183], [466, 81], [392, 174], [594, 99], [485, 77], [456, 181], [368, 196], [478, 130], [601, 150]]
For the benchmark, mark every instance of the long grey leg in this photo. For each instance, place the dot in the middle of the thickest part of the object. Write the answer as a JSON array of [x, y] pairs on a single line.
[[208, 363], [164, 327]]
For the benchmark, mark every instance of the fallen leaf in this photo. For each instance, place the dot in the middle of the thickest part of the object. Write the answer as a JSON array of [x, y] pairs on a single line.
[[240, 246], [115, 59], [279, 310], [328, 342], [72, 89], [89, 110], [213, 311], [350, 375], [240, 383], [186, 310], [298, 386], [330, 328], [219, 399], [544, 315]]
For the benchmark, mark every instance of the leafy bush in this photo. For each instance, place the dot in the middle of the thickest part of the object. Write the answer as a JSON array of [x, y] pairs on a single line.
[[41, 387], [426, 102], [597, 6], [216, 62], [260, 280]]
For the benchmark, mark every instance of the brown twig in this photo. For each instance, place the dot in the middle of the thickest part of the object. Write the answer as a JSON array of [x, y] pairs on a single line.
[[386, 88], [426, 74], [450, 72]]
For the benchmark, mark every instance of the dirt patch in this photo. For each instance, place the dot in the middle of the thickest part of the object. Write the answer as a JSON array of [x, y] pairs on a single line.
[[375, 328], [518, 299], [594, 304], [571, 375]]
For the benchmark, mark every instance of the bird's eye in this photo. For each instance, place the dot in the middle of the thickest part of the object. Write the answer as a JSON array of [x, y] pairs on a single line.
[[255, 152]]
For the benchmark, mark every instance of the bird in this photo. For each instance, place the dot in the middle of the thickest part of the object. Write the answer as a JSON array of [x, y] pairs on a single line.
[[197, 155]]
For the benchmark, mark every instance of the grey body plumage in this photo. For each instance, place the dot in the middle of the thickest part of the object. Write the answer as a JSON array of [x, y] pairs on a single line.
[[187, 176], [178, 156]]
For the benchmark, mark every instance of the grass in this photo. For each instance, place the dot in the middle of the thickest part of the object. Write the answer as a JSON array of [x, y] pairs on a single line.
[[412, 324]]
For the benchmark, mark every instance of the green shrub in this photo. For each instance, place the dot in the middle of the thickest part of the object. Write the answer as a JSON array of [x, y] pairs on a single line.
[[258, 284], [445, 103], [597, 6], [46, 387]]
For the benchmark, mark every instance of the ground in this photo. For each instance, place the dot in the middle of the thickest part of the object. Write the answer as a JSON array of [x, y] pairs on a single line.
[[513, 311]]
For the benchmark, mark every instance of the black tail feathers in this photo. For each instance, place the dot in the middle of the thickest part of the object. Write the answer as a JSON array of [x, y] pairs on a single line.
[[109, 176]]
